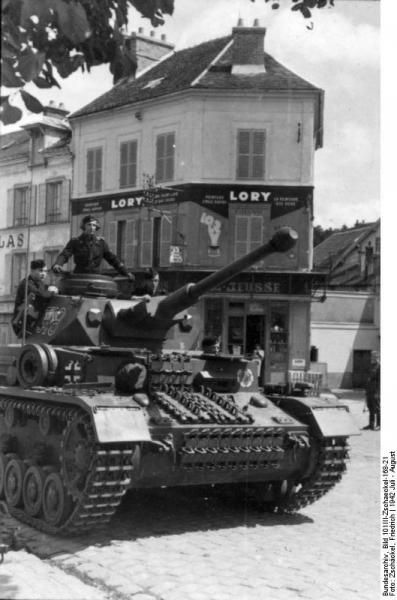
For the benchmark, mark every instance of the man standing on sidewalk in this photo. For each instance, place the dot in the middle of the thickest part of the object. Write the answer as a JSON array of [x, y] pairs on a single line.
[[373, 393]]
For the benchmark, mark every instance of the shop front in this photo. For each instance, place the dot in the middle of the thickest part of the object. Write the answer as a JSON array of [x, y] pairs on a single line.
[[259, 314]]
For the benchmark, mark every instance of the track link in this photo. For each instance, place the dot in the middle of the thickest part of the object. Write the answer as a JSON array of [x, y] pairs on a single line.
[[106, 478], [329, 467]]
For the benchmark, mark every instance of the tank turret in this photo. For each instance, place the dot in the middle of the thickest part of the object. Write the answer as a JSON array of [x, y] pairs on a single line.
[[87, 312]]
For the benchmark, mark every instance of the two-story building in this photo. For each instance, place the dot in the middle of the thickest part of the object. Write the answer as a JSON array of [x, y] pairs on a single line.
[[196, 161], [35, 175], [346, 327]]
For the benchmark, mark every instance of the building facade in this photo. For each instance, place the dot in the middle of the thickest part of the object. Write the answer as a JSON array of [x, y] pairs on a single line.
[[35, 175], [346, 327], [197, 161]]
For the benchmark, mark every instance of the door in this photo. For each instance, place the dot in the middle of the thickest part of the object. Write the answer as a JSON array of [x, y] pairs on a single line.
[[361, 367], [254, 338]]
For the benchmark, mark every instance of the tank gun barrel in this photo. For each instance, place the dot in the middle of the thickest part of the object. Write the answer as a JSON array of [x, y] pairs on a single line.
[[283, 240]]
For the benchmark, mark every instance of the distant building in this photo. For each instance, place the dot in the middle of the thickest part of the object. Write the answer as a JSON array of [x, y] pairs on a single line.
[[346, 327], [196, 159], [35, 176]]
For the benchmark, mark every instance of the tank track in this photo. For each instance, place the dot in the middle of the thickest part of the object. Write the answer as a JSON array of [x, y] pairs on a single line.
[[330, 464], [106, 477]]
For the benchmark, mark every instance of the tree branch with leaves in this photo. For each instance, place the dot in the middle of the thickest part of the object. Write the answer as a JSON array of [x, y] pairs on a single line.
[[42, 40]]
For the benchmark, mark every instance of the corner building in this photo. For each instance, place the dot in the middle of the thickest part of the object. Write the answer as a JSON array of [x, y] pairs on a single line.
[[198, 159]]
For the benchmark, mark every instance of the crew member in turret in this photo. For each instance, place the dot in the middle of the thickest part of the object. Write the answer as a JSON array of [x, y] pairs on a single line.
[[88, 250], [37, 296], [151, 286]]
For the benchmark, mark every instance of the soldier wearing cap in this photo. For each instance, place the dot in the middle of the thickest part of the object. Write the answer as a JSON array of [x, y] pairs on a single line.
[[37, 297], [88, 250]]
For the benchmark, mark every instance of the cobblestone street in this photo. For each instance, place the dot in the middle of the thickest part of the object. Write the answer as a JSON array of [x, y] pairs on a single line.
[[176, 545]]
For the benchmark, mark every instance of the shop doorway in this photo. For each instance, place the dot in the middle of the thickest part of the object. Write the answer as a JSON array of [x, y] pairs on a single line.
[[255, 332]]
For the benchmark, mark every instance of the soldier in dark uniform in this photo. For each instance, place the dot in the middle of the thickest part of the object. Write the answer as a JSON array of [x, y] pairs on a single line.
[[37, 297], [151, 285], [88, 250], [373, 393]]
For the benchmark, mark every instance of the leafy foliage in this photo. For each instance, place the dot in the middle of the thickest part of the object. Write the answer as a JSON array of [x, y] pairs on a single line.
[[39, 36]]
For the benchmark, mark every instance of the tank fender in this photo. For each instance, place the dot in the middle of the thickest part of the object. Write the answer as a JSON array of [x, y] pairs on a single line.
[[116, 418], [325, 417]]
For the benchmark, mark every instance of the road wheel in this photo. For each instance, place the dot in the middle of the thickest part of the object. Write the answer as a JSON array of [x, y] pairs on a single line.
[[13, 481], [32, 491], [56, 503]]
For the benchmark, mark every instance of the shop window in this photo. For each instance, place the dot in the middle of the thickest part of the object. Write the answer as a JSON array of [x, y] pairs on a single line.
[[279, 335], [18, 270], [251, 154], [21, 206], [165, 157], [248, 234], [213, 317], [50, 257], [94, 170], [128, 163]]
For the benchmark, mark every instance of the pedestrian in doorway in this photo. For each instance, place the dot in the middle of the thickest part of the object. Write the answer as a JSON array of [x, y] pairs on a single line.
[[210, 345], [258, 355], [373, 393]]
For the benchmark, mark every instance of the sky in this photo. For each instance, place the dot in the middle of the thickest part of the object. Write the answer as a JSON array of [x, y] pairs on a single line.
[[341, 55]]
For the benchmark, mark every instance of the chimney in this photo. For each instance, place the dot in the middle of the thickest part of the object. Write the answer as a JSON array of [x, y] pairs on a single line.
[[54, 110], [248, 49], [145, 50]]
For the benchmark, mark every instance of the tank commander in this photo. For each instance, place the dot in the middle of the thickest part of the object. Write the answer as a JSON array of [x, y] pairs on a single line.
[[38, 294], [88, 250]]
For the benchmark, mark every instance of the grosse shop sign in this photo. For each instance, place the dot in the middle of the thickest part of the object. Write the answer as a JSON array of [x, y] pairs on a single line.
[[218, 198]]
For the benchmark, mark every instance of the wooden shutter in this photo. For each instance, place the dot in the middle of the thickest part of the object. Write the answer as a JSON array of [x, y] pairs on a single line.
[[111, 236], [98, 170], [41, 203], [90, 171], [241, 236], [131, 243], [256, 233], [146, 243], [10, 207], [33, 202], [165, 240], [65, 200], [7, 273]]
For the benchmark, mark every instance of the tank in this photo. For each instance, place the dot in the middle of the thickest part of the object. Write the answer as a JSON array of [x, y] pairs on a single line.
[[101, 399]]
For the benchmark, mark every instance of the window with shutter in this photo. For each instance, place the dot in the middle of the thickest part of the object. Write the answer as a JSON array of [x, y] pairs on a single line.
[[251, 154], [94, 170], [128, 163], [53, 202], [165, 157], [21, 206], [248, 233], [165, 240], [65, 200], [146, 243]]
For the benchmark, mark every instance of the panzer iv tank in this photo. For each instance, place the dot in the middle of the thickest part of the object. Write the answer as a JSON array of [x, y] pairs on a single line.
[[97, 402]]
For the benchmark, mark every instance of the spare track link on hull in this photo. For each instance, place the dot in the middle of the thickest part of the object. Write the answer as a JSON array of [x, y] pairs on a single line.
[[103, 472], [330, 465]]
